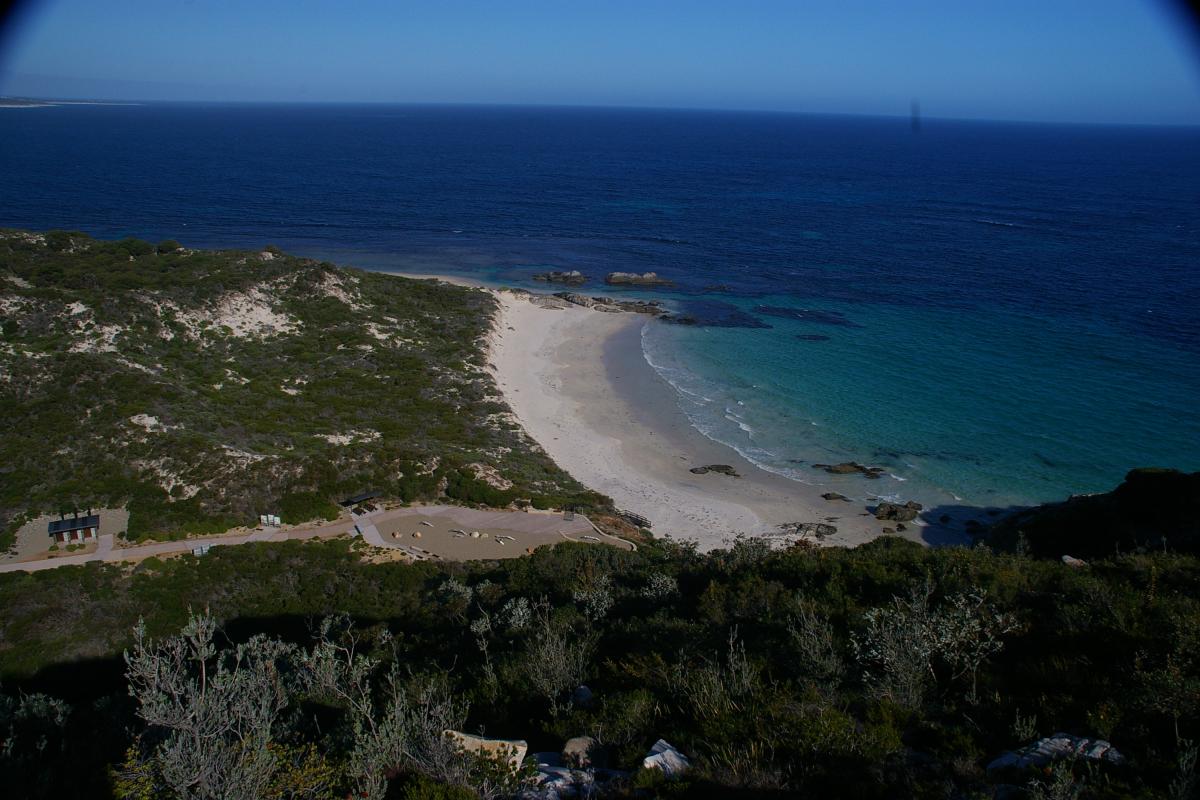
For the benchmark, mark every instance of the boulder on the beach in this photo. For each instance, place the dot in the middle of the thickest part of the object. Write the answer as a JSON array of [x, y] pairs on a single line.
[[1054, 748], [636, 279], [723, 469], [835, 496], [898, 513], [574, 298], [569, 277], [548, 301]]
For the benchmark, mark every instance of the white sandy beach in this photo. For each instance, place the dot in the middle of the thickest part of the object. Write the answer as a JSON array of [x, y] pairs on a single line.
[[576, 380]]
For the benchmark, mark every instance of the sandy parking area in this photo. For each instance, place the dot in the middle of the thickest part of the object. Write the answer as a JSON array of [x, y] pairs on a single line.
[[460, 534]]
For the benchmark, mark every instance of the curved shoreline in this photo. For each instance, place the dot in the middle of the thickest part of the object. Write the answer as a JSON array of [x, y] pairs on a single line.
[[578, 382]]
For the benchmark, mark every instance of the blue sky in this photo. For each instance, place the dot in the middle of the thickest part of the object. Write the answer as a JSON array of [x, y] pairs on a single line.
[[1057, 60]]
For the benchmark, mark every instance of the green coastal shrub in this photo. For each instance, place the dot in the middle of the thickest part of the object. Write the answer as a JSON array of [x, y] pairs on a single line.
[[296, 507]]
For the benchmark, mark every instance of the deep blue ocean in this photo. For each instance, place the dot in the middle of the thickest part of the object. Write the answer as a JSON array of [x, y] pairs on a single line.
[[999, 313]]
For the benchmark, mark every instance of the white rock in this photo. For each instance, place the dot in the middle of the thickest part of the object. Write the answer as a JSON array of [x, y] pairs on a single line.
[[663, 756], [1053, 748]]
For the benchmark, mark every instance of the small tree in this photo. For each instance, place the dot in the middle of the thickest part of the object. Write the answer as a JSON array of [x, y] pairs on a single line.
[[816, 649], [398, 724], [902, 645], [210, 716], [555, 661]]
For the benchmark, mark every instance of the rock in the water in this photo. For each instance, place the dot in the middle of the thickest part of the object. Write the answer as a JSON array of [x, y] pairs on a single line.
[[636, 279], [835, 496], [652, 307], [898, 513], [509, 750], [570, 277], [849, 468], [666, 758], [807, 315], [680, 319], [583, 752], [1053, 748]]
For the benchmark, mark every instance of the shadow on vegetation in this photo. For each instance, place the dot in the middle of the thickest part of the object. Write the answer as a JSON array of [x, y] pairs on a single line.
[[953, 524]]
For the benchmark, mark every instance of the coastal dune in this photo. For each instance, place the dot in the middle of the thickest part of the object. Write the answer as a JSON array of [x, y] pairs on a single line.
[[578, 383]]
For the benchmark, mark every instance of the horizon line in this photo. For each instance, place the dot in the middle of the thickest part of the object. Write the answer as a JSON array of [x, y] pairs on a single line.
[[584, 106]]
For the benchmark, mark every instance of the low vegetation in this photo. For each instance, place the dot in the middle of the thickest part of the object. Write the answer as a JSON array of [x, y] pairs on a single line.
[[205, 388], [890, 670]]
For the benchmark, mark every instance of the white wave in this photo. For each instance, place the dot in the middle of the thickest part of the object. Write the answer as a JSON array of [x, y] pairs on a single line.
[[896, 477], [749, 431]]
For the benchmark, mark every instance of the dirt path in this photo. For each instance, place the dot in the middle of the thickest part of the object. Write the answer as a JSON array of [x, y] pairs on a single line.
[[445, 533]]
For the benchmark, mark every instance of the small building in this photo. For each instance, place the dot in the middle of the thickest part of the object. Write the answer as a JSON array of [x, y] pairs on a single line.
[[76, 529], [358, 499]]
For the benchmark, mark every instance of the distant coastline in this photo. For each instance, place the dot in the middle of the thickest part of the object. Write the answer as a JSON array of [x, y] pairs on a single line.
[[30, 102]]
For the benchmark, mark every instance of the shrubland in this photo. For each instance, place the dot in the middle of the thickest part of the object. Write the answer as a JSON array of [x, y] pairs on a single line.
[[888, 670], [203, 388]]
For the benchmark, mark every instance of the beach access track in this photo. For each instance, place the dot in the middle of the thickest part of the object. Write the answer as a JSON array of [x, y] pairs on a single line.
[[425, 532]]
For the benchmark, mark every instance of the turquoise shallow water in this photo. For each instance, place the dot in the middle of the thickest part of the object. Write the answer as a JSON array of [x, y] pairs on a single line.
[[984, 407]]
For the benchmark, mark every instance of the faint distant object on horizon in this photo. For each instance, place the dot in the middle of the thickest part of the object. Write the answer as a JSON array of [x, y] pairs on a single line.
[[916, 116]]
